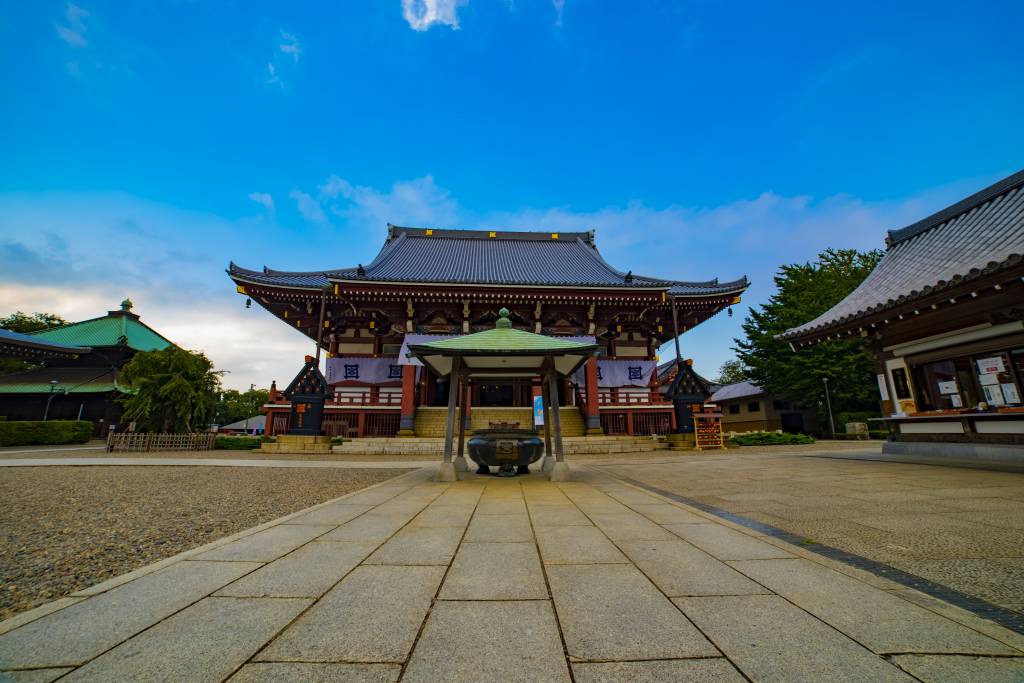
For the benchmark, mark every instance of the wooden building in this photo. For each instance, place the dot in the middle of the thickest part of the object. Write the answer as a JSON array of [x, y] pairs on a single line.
[[84, 384], [746, 407], [430, 283], [943, 315]]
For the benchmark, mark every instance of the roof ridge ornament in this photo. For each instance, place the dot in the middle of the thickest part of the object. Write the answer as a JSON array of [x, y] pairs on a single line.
[[503, 323]]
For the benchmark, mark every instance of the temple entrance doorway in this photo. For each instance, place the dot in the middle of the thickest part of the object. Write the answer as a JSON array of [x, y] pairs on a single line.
[[503, 394]]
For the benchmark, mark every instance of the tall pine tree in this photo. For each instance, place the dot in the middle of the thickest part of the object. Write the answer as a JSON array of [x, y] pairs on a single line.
[[805, 291]]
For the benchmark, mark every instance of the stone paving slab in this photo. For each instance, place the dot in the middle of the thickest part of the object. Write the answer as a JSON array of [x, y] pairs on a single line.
[[180, 648], [495, 571], [630, 526], [718, 670], [85, 629], [499, 528], [373, 615], [308, 572], [725, 543], [878, 619], [419, 546], [576, 545], [558, 515], [266, 545], [444, 516], [679, 569], [33, 675], [770, 639], [304, 672], [610, 612], [501, 507], [513, 642], [333, 514], [962, 669], [370, 526]]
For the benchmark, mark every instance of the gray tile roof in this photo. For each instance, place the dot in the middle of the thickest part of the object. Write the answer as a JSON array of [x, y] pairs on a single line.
[[980, 235], [729, 392], [475, 257]]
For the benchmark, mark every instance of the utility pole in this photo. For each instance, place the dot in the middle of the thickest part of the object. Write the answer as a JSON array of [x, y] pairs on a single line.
[[53, 388]]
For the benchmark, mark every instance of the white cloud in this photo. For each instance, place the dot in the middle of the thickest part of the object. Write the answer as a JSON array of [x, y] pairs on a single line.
[[289, 45], [272, 77], [264, 199], [72, 31], [559, 8], [422, 14], [308, 207]]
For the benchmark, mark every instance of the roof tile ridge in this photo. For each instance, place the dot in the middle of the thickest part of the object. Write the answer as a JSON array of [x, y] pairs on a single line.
[[387, 252], [68, 326], [939, 218], [593, 252]]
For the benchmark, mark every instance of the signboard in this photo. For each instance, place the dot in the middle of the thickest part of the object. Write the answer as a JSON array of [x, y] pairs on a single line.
[[948, 387], [1010, 392], [538, 411], [988, 366], [708, 430], [883, 391]]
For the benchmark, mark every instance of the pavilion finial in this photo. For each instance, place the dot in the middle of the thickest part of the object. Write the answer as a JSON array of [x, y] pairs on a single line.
[[126, 305], [503, 322]]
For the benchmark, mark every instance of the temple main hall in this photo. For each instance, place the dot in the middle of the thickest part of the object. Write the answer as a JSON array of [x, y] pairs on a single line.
[[428, 283]]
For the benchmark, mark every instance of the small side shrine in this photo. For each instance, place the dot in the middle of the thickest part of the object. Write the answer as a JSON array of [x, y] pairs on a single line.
[[707, 425], [503, 353], [307, 394]]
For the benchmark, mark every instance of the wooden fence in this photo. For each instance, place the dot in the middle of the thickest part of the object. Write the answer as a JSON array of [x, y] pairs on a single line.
[[130, 441]]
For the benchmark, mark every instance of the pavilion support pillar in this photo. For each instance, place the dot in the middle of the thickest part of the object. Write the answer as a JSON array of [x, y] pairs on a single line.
[[446, 472], [467, 416], [549, 459], [407, 420], [593, 408], [560, 470], [460, 459]]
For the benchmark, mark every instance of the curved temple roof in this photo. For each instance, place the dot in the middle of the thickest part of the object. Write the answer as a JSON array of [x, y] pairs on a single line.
[[422, 255], [979, 235]]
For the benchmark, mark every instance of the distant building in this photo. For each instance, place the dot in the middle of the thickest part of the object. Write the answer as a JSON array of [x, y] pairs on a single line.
[[83, 381], [943, 315], [747, 408], [253, 425]]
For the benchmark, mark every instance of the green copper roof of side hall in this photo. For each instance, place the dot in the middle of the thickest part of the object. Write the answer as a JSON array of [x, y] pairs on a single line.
[[114, 329], [503, 339]]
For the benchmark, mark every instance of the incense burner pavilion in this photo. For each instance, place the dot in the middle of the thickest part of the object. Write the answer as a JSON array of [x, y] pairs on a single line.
[[427, 285]]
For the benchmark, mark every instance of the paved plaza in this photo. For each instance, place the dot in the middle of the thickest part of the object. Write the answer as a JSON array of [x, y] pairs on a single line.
[[493, 579]]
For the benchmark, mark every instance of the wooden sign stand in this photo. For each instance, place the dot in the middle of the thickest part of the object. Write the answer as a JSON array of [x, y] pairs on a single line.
[[707, 429]]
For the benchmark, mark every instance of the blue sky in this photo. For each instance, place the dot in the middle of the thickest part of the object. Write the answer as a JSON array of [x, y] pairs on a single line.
[[147, 144]]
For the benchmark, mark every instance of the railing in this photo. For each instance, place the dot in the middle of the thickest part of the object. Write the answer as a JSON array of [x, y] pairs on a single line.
[[617, 397], [646, 424], [367, 398], [132, 441]]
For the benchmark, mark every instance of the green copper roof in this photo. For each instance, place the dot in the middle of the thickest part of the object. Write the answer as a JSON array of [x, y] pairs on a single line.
[[107, 331], [503, 339]]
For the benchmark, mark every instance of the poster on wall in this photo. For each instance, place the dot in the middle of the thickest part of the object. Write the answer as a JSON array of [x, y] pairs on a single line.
[[948, 387], [990, 380], [883, 391], [1010, 392], [956, 401], [988, 366], [993, 395]]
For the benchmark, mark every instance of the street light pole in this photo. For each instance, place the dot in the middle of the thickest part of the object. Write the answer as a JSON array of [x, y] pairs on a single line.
[[53, 388], [828, 401]]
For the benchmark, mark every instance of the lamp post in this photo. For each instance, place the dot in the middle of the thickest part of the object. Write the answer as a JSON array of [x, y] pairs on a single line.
[[828, 401], [53, 388], [252, 387]]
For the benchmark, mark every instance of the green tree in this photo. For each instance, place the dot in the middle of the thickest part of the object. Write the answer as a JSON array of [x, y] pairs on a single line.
[[732, 371], [176, 390], [234, 405], [25, 323], [805, 291]]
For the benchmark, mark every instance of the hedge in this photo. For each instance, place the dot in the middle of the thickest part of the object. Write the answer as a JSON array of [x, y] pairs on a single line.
[[39, 433], [237, 443], [769, 439]]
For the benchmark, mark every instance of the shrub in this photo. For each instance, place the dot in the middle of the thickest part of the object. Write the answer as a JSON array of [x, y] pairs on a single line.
[[268, 439], [237, 443], [879, 433], [39, 433], [770, 439]]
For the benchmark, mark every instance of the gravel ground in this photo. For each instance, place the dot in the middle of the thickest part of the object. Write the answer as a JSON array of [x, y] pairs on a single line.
[[66, 528]]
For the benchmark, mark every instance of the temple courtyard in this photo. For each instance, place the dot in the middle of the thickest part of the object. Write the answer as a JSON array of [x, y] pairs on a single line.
[[787, 564]]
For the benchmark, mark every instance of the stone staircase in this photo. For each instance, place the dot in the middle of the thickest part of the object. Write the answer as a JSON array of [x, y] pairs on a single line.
[[433, 447], [431, 422]]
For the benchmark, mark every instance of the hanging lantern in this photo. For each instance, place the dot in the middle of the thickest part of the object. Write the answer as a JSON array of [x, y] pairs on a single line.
[[248, 303]]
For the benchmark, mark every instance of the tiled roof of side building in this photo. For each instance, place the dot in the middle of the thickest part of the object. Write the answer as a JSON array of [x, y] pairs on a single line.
[[424, 255], [745, 389], [71, 380], [980, 235], [107, 331], [17, 339]]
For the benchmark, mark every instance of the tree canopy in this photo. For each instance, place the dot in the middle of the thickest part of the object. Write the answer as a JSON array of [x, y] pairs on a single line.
[[805, 291], [234, 405], [732, 371], [175, 390]]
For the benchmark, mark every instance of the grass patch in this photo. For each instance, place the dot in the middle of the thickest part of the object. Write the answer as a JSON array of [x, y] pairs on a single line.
[[770, 439]]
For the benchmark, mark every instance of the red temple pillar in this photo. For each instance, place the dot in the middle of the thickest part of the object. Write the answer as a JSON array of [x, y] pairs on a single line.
[[406, 423], [593, 407]]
